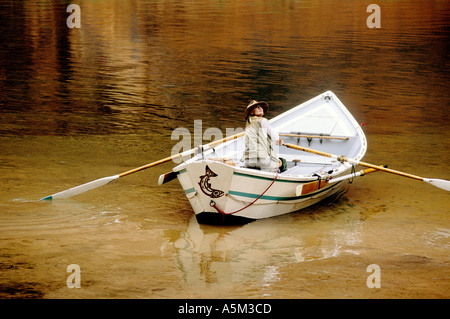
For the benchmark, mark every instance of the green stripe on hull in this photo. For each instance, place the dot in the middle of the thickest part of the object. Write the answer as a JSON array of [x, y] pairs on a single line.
[[189, 190], [279, 198]]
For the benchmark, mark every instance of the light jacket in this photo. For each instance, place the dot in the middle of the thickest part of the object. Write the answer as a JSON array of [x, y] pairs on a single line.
[[258, 142]]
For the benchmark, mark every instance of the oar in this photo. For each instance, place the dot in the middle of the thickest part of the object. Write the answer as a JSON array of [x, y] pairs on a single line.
[[307, 188], [354, 174], [105, 180], [440, 183], [167, 177]]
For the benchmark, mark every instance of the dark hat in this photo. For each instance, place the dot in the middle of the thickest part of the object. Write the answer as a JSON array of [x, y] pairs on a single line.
[[252, 105]]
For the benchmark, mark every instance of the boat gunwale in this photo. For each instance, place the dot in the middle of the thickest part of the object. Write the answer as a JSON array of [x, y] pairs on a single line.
[[258, 174]]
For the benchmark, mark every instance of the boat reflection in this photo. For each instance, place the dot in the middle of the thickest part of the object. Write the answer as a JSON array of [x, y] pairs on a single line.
[[254, 254]]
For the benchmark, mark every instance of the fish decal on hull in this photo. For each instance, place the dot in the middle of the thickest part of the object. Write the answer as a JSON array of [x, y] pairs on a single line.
[[205, 185]]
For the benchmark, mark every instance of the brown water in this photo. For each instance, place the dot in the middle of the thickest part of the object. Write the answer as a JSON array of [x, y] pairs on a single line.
[[80, 104]]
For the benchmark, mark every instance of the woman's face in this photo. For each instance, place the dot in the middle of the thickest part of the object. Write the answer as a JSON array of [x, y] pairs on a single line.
[[258, 111]]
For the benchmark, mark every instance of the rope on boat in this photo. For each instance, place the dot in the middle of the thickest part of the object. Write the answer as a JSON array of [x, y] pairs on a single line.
[[213, 203]]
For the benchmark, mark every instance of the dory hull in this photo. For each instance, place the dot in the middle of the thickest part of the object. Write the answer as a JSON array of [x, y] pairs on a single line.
[[221, 190], [220, 193]]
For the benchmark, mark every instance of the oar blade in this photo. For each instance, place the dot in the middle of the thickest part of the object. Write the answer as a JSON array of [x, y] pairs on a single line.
[[440, 183], [82, 188], [167, 177]]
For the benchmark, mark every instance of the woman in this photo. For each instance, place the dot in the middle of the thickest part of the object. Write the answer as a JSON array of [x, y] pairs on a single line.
[[259, 138]]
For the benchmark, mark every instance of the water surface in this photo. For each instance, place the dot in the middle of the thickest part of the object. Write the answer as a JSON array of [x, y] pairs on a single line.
[[80, 104]]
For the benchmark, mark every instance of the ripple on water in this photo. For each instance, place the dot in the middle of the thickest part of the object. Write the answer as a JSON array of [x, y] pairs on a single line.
[[26, 215]]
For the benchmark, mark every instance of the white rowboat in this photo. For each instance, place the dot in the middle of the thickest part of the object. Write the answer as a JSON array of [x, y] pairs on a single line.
[[221, 190]]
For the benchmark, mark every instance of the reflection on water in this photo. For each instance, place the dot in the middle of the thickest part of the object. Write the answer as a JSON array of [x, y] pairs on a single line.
[[81, 104], [252, 254], [137, 66]]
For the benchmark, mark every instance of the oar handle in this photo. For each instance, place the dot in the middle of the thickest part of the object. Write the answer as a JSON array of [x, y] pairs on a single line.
[[367, 171]]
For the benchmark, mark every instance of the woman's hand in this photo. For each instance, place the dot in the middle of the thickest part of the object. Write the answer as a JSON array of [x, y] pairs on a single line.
[[280, 141]]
